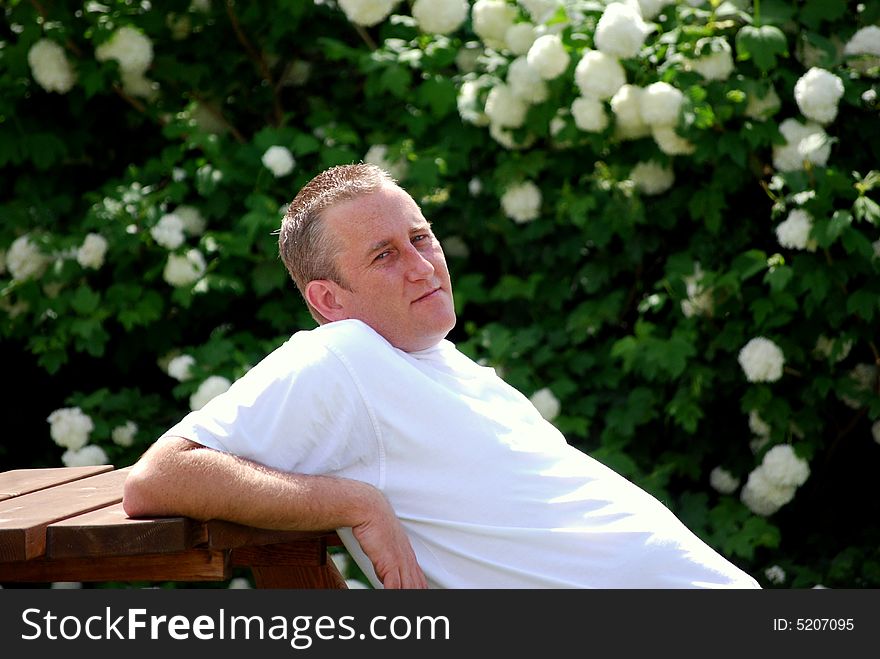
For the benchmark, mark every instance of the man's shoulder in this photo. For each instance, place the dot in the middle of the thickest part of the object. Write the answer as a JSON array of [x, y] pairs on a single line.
[[342, 339]]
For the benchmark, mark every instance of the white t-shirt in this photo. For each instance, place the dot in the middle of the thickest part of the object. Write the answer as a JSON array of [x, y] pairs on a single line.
[[489, 492]]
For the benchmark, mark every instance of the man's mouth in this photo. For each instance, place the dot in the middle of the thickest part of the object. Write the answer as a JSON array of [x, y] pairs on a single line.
[[426, 295]]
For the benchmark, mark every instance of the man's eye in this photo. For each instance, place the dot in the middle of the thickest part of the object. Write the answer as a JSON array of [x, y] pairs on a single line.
[[420, 237], [382, 255]]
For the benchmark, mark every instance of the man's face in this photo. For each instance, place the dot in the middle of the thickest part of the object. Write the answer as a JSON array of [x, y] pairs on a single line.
[[394, 267]]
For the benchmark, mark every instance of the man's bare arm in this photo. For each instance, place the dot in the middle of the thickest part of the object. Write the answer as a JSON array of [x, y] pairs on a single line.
[[179, 477]]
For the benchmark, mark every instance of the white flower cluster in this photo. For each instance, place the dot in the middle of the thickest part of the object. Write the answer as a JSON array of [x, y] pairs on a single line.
[[621, 31], [817, 94], [660, 104], [180, 367], [504, 108], [546, 403], [757, 425], [599, 74], [367, 12], [133, 51], [775, 574], [469, 105], [723, 481], [168, 231], [377, 155], [50, 66], [87, 456], [589, 114], [547, 55], [826, 348], [866, 41], [520, 37], [803, 143], [124, 435], [491, 19], [70, 427], [864, 378], [763, 107], [540, 10], [184, 269], [278, 160], [440, 16], [761, 360], [714, 59], [522, 201], [794, 231], [525, 82], [193, 222], [627, 107], [773, 483], [24, 260], [699, 300], [91, 253], [651, 178], [209, 389]]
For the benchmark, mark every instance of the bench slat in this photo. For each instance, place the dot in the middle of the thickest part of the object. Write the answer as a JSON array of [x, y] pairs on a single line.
[[23, 519], [192, 565], [24, 481], [110, 532]]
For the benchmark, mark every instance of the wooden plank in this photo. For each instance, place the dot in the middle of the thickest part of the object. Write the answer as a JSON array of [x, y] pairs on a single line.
[[228, 535], [325, 576], [191, 565], [23, 519], [16, 482], [110, 532], [303, 552]]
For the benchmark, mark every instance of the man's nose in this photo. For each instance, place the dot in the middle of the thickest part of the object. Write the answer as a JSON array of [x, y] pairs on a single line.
[[418, 267]]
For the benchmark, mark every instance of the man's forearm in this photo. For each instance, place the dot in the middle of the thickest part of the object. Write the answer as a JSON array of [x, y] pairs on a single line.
[[178, 477]]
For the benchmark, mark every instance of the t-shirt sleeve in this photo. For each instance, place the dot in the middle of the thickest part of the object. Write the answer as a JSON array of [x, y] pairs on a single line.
[[298, 410]]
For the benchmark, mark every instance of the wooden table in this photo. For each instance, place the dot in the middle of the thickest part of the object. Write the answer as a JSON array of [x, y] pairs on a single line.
[[67, 524]]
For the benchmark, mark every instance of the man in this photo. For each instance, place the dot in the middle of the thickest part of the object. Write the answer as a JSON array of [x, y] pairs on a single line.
[[433, 470]]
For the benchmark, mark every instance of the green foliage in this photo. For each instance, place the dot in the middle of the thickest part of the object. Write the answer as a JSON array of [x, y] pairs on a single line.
[[628, 291]]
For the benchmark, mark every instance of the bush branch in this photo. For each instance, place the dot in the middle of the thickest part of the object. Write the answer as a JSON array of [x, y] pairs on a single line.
[[258, 59]]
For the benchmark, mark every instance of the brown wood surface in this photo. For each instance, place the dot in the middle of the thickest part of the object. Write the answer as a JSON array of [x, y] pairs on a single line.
[[24, 481], [191, 565], [68, 524], [110, 532], [23, 519], [326, 576], [228, 535]]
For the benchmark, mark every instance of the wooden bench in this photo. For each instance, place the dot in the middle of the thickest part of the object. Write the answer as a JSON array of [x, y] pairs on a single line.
[[67, 524]]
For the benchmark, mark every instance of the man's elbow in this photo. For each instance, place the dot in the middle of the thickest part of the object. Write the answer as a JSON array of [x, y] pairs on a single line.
[[139, 494]]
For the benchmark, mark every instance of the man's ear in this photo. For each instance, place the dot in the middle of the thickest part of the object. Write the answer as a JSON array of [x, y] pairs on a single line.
[[323, 295]]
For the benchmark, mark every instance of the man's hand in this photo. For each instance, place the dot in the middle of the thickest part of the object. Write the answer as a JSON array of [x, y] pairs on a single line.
[[387, 546]]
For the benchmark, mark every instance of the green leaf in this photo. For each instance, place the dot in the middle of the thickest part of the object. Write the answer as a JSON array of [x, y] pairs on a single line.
[[395, 80], [439, 94], [749, 263], [863, 303], [44, 149], [85, 301], [778, 277], [761, 44], [828, 231], [865, 208], [816, 12]]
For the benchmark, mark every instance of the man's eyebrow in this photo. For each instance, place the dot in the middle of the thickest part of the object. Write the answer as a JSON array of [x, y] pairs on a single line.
[[421, 226]]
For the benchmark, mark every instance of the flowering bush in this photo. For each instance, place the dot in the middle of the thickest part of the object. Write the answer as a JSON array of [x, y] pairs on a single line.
[[661, 218]]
